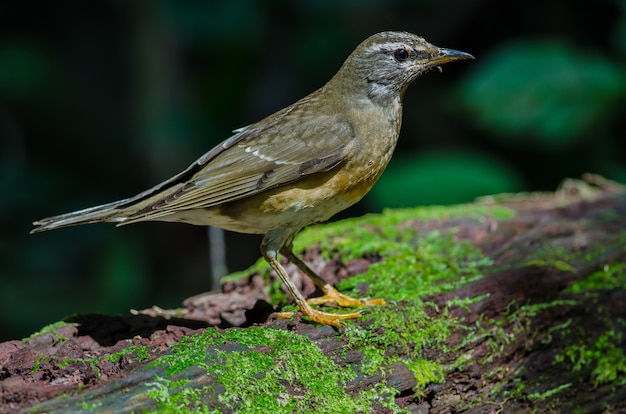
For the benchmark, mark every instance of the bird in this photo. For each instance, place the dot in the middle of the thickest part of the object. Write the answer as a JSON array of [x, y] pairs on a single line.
[[298, 166]]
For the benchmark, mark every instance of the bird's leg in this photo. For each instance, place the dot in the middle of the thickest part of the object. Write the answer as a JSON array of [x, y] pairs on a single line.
[[330, 293], [306, 309]]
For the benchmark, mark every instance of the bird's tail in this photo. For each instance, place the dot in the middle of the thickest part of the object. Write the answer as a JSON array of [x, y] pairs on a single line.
[[111, 212]]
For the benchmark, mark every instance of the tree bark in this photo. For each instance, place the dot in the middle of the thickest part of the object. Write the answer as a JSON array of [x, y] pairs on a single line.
[[547, 334]]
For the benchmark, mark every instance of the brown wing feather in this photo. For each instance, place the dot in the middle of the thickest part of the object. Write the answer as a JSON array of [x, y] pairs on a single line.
[[257, 158]]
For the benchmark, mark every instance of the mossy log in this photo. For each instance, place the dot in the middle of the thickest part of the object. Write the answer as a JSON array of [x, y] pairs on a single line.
[[510, 304]]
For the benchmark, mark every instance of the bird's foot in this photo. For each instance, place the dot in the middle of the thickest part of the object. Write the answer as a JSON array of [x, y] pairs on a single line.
[[320, 317], [332, 295]]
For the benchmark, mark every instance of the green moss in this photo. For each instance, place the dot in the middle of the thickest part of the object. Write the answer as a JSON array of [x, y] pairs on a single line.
[[552, 253], [401, 334], [85, 406], [171, 397], [435, 263], [51, 329], [139, 353], [425, 372], [496, 334], [256, 373], [37, 364], [555, 263], [90, 362], [548, 394], [370, 234], [602, 358], [606, 356], [612, 276], [516, 322], [602, 361]]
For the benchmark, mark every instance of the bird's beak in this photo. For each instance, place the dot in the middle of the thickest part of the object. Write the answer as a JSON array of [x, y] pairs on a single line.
[[447, 55]]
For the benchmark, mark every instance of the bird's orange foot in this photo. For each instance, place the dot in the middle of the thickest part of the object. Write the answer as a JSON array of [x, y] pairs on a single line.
[[332, 295], [323, 318]]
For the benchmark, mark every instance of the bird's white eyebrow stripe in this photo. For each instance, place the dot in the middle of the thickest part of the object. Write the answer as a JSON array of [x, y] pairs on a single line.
[[387, 47]]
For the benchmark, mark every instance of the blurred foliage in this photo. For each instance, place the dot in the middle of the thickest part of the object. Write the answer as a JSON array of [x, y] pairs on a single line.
[[99, 101], [549, 92], [442, 177]]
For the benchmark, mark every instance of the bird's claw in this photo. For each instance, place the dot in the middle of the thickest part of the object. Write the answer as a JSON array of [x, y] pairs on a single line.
[[320, 317], [332, 295]]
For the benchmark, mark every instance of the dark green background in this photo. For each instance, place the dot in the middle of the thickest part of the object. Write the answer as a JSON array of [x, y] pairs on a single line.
[[101, 100]]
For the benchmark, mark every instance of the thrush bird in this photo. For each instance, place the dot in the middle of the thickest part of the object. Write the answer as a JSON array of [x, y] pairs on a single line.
[[296, 167]]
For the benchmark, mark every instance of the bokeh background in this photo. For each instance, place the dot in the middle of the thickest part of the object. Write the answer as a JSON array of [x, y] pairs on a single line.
[[101, 100]]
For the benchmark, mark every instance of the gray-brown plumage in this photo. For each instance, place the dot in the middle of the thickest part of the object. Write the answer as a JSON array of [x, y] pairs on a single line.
[[298, 166]]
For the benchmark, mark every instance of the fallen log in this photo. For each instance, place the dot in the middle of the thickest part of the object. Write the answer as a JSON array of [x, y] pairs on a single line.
[[509, 304]]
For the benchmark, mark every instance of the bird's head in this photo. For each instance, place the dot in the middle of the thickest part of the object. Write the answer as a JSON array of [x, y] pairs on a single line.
[[386, 63]]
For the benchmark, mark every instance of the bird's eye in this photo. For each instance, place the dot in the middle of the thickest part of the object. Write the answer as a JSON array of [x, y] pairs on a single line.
[[400, 55]]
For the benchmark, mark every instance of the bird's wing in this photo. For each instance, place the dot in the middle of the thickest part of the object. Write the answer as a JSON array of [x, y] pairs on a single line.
[[276, 151]]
